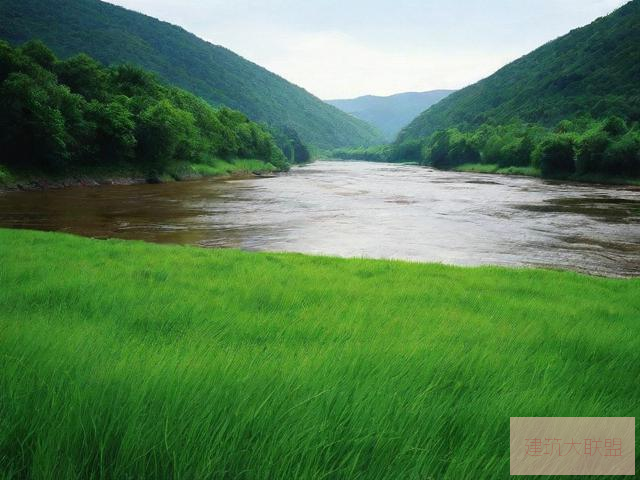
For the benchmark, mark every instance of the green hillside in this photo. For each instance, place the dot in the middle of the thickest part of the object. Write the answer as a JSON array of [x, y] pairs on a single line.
[[390, 114], [76, 116], [570, 109], [592, 70], [115, 35]]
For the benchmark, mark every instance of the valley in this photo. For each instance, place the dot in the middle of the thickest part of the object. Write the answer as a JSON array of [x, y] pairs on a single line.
[[208, 272]]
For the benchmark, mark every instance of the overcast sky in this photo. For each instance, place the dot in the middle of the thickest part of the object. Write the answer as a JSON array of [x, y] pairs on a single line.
[[347, 48]]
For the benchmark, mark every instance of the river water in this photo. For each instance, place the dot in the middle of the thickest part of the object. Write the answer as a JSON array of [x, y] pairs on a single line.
[[358, 209]]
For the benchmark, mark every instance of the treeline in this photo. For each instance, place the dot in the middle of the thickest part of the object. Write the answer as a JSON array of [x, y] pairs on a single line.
[[371, 154], [608, 147], [68, 114]]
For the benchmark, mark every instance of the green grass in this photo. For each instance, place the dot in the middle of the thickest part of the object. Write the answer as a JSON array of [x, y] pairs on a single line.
[[527, 171], [493, 168], [219, 167], [133, 360]]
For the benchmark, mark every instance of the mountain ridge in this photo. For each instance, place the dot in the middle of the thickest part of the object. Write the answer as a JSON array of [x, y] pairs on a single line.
[[594, 69], [390, 113], [115, 35]]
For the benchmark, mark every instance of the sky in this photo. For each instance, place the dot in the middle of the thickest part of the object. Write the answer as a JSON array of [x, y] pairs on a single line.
[[347, 48]]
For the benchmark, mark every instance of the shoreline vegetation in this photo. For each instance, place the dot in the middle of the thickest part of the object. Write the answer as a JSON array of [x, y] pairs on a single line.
[[534, 172], [495, 169], [125, 175], [582, 150], [124, 359], [74, 118], [605, 152]]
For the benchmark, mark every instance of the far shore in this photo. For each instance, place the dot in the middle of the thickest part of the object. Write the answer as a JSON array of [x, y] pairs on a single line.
[[40, 181], [534, 172]]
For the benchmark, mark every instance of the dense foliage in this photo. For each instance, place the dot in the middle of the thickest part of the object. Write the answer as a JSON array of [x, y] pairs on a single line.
[[113, 35], [76, 113], [569, 108], [390, 114], [594, 70], [580, 147]]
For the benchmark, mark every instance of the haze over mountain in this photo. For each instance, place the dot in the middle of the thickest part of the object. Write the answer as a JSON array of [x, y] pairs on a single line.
[[113, 34], [390, 114], [594, 70]]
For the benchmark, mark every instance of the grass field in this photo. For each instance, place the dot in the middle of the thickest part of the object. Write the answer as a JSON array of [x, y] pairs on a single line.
[[131, 360]]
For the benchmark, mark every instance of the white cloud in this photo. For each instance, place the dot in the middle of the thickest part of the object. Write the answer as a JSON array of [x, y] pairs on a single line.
[[331, 64], [345, 48]]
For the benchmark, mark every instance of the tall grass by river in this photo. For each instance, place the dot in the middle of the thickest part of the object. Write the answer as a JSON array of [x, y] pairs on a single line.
[[131, 360]]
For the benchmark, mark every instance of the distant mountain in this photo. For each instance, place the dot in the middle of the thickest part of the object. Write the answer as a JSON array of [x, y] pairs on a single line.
[[390, 114], [594, 70], [115, 35]]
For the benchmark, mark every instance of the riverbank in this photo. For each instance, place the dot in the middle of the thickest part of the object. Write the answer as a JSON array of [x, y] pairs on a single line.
[[128, 175], [134, 360], [489, 168], [535, 172]]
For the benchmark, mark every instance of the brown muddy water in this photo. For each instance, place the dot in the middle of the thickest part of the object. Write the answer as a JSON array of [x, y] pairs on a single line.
[[358, 209]]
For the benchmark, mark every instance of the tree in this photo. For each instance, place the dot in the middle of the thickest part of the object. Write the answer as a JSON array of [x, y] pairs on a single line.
[[623, 157], [288, 140], [164, 133], [39, 53], [409, 151], [114, 130], [130, 80], [557, 156], [84, 76], [461, 151], [590, 158], [436, 151], [614, 126], [32, 131], [450, 148], [518, 153]]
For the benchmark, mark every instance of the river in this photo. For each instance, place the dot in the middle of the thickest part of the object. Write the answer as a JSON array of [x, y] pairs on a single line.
[[358, 209]]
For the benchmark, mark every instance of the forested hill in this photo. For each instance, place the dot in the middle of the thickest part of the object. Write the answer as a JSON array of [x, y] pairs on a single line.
[[76, 116], [593, 70], [390, 114], [113, 34]]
